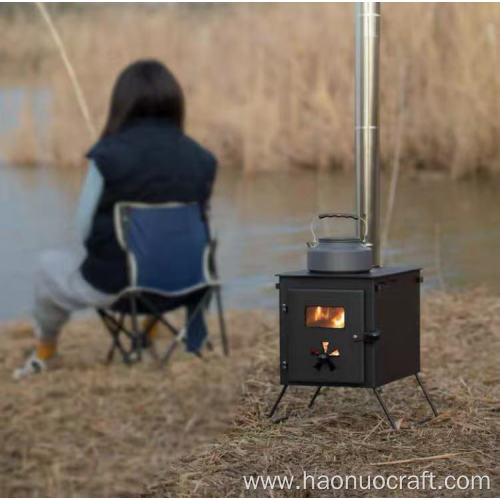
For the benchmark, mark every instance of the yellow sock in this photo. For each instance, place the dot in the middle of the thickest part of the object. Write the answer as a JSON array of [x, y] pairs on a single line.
[[45, 350], [153, 332]]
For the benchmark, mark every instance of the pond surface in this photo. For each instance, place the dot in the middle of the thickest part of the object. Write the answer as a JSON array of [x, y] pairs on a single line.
[[262, 222]]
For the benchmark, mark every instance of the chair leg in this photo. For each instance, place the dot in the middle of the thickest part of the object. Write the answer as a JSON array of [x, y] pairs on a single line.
[[179, 335], [111, 322], [125, 354], [222, 323], [158, 318], [139, 335], [157, 315], [150, 340], [112, 332], [182, 333], [172, 347], [116, 344], [115, 327], [161, 319]]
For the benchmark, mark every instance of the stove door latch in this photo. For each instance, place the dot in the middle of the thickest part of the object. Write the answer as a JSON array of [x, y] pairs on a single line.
[[368, 337]]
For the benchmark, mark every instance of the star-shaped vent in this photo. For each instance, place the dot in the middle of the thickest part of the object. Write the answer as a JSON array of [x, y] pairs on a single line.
[[324, 357]]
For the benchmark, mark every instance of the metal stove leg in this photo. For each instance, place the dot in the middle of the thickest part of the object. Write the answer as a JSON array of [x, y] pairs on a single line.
[[384, 407], [277, 402], [426, 394], [315, 395]]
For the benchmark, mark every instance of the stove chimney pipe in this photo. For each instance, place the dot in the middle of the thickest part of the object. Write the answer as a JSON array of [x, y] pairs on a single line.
[[367, 25]]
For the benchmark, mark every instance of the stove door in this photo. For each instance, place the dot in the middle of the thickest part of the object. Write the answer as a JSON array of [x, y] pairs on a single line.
[[324, 332]]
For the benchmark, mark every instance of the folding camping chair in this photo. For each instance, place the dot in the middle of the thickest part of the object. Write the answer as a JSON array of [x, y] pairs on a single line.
[[171, 263]]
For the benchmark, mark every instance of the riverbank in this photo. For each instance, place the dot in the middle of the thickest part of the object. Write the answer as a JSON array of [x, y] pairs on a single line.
[[195, 429], [270, 87]]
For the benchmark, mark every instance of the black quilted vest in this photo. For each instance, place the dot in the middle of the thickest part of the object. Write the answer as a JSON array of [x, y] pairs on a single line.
[[149, 161]]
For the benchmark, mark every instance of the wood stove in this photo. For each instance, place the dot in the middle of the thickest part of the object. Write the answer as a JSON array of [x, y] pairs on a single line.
[[350, 329], [347, 320]]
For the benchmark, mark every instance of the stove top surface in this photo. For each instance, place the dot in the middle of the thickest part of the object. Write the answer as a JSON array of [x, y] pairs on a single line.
[[376, 272]]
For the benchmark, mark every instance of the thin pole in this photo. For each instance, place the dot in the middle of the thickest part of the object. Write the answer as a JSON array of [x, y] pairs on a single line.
[[82, 103], [397, 156]]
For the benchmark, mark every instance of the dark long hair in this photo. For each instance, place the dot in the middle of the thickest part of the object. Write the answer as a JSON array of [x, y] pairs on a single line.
[[144, 89]]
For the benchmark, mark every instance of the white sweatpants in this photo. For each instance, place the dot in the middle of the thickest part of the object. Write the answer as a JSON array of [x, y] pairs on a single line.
[[60, 289]]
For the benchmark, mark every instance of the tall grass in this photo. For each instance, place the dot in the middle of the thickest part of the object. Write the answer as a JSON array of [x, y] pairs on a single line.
[[22, 145], [270, 86]]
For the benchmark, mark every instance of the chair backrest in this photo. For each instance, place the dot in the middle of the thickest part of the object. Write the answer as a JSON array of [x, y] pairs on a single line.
[[167, 245]]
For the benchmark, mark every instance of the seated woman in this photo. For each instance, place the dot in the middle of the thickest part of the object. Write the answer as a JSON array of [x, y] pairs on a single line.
[[144, 156]]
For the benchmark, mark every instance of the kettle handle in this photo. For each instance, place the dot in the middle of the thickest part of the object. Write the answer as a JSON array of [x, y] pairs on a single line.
[[340, 216]]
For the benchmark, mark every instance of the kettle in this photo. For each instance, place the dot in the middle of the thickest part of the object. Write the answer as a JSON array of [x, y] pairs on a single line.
[[346, 255]]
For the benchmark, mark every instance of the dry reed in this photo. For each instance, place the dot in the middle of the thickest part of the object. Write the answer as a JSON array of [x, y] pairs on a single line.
[[271, 86], [22, 145], [195, 429]]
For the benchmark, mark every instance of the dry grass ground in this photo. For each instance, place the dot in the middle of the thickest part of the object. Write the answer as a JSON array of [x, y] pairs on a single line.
[[197, 428], [90, 430], [345, 433], [271, 86]]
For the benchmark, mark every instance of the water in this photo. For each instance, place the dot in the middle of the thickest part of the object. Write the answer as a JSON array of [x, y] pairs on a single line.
[[262, 223]]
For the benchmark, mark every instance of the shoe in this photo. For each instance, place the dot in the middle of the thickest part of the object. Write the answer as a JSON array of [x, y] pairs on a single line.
[[32, 366]]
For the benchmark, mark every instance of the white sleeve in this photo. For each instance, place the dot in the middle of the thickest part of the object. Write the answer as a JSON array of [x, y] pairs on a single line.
[[89, 198]]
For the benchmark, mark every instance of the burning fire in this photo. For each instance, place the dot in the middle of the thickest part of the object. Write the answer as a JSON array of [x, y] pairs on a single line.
[[335, 352], [325, 317]]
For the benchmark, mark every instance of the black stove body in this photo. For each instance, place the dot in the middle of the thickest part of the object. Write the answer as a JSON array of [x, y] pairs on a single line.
[[377, 339], [350, 329]]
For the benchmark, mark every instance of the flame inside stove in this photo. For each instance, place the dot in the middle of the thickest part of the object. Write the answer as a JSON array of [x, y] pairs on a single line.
[[335, 352], [325, 317]]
